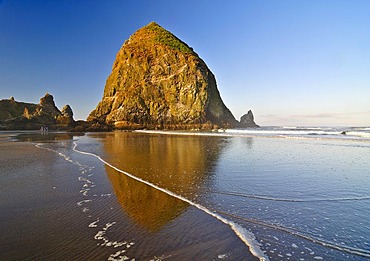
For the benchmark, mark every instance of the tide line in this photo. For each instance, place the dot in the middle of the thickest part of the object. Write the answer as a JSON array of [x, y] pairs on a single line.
[[246, 236]]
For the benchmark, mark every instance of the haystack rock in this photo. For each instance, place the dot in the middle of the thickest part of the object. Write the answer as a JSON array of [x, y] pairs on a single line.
[[247, 120], [158, 81]]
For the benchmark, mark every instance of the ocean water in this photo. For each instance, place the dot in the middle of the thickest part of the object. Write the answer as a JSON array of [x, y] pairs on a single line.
[[277, 193]]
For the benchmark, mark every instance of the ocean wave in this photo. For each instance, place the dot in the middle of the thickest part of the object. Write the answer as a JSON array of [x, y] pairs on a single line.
[[287, 132], [274, 132], [347, 249], [359, 134], [305, 128]]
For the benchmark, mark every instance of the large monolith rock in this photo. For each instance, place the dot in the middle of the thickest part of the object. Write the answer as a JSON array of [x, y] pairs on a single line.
[[158, 81]]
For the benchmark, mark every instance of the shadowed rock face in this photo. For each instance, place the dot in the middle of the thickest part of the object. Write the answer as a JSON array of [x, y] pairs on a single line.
[[21, 115], [247, 120], [158, 81]]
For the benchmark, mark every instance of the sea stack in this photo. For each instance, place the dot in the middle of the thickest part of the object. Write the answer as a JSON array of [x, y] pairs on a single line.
[[159, 82], [247, 121], [16, 115]]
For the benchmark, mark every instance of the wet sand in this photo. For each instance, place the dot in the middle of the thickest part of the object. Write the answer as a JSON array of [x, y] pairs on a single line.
[[112, 196], [46, 214], [35, 193]]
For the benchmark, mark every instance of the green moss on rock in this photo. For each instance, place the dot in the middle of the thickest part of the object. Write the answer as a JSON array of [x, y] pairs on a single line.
[[165, 37]]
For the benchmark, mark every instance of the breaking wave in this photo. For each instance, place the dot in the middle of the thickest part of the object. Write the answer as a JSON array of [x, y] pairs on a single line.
[[280, 132]]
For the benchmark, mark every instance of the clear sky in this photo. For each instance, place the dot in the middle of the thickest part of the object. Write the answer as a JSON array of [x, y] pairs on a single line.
[[291, 62]]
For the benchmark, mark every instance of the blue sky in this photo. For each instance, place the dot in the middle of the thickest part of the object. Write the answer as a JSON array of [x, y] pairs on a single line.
[[291, 62]]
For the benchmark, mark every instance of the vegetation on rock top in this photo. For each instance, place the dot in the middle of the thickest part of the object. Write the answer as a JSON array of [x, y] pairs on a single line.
[[158, 81], [165, 37]]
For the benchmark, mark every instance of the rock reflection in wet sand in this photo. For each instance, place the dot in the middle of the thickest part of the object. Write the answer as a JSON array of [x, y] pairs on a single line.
[[179, 164]]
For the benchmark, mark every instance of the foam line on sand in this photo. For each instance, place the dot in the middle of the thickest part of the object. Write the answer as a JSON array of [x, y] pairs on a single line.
[[246, 236]]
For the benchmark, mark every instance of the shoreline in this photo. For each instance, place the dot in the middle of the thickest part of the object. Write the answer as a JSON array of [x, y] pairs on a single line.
[[54, 184], [46, 203]]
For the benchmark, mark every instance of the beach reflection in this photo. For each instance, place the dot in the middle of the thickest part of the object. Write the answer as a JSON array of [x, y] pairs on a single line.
[[180, 164], [150, 208], [43, 137]]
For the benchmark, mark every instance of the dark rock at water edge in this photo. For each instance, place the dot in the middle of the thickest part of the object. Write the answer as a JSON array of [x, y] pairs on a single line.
[[90, 126], [247, 120]]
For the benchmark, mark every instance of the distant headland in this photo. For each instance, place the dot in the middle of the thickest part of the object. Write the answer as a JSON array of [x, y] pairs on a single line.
[[157, 82]]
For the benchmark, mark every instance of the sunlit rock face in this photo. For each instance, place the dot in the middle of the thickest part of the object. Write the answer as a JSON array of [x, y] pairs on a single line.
[[21, 115], [158, 81], [65, 116], [175, 163]]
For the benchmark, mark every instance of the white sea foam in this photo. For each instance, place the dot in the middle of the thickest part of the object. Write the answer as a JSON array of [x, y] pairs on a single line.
[[222, 256], [246, 236], [118, 256], [94, 224], [348, 249], [277, 132], [83, 201], [84, 192], [184, 133], [100, 235], [85, 179], [287, 132], [359, 134], [108, 225]]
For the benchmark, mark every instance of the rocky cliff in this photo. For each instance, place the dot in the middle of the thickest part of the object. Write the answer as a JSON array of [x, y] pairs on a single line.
[[158, 81], [20, 115]]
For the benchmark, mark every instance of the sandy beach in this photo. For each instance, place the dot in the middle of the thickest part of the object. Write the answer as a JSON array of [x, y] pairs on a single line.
[[37, 204], [194, 196], [57, 207]]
